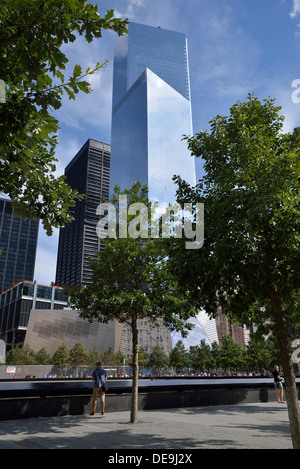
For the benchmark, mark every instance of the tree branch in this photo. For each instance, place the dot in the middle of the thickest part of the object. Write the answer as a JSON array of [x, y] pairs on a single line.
[[27, 27]]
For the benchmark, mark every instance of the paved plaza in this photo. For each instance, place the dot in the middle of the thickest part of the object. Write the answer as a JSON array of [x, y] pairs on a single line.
[[243, 426]]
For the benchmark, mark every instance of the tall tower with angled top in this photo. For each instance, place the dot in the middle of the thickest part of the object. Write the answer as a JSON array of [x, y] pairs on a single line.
[[151, 112]]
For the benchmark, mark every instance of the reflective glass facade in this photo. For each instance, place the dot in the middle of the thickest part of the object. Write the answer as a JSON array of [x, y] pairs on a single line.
[[18, 242], [194, 337], [204, 329], [88, 172], [151, 112]]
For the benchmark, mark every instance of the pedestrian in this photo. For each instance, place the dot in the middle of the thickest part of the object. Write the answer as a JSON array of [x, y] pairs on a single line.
[[99, 378], [278, 384]]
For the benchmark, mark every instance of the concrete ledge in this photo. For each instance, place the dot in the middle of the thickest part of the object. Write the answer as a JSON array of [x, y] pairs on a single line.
[[18, 407]]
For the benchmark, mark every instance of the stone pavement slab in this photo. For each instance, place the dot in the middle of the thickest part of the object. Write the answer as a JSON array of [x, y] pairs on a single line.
[[243, 426]]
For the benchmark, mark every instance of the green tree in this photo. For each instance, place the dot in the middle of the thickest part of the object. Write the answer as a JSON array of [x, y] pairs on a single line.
[[158, 360], [21, 356], [94, 356], [273, 352], [201, 356], [179, 357], [13, 357], [32, 66], [109, 357], [250, 261], [42, 357], [78, 356], [119, 358], [231, 354], [112, 359], [131, 281], [61, 357], [215, 352], [28, 355], [143, 358], [258, 353]]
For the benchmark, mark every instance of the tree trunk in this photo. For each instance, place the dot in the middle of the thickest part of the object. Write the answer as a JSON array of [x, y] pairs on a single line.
[[282, 334], [135, 371]]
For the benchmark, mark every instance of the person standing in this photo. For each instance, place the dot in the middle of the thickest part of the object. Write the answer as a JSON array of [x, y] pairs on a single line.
[[99, 378], [278, 384]]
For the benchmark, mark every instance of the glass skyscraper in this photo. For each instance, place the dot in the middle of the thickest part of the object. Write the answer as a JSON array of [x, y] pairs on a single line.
[[151, 112], [18, 242], [88, 172]]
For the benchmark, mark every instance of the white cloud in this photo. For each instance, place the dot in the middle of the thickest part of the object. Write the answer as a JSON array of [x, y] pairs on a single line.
[[130, 10], [224, 58], [66, 150], [290, 110], [88, 110], [296, 8]]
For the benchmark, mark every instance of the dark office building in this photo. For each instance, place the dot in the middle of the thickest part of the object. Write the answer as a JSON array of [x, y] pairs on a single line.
[[18, 243], [88, 172], [16, 304]]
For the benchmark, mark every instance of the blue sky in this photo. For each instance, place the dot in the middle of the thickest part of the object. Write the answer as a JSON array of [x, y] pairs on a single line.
[[236, 47]]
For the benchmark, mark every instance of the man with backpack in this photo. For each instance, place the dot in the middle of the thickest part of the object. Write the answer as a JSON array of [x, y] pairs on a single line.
[[99, 378]]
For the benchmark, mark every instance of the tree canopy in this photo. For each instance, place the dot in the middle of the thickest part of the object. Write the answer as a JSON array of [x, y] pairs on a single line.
[[131, 280], [32, 70], [250, 261]]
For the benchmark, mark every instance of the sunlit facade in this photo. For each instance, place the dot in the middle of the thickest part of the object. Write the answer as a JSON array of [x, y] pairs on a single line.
[[16, 305], [204, 328], [151, 112]]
